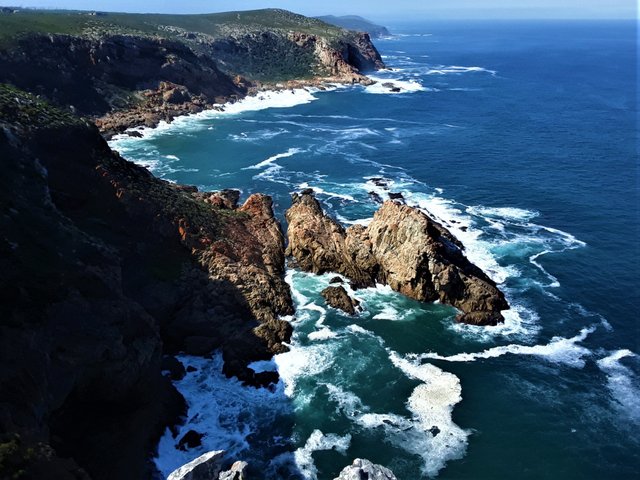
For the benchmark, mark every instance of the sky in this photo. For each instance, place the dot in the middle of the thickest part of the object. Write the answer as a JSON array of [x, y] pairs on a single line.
[[377, 10]]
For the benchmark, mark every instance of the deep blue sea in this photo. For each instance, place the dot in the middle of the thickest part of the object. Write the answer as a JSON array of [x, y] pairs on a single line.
[[522, 138]]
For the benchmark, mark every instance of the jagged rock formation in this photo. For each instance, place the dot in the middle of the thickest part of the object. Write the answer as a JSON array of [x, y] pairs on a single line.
[[126, 70], [402, 247], [337, 297], [364, 469], [103, 268]]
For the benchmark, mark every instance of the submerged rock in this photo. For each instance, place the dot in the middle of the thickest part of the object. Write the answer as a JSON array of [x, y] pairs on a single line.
[[362, 469], [337, 297], [402, 247]]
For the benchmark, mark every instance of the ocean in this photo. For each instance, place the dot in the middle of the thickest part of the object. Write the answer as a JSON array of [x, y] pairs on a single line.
[[521, 137]]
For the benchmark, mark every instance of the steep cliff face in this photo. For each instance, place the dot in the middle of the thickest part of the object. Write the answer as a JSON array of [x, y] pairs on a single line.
[[127, 70], [403, 248], [103, 269]]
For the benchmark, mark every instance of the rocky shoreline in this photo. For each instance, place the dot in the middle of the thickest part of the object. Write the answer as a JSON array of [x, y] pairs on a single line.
[[107, 271], [157, 111]]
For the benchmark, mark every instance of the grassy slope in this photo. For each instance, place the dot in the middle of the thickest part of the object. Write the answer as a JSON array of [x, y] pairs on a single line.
[[215, 25]]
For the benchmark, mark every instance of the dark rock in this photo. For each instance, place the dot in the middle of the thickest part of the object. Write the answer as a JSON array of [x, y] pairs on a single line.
[[191, 369], [173, 366], [199, 345], [125, 268], [375, 197], [307, 191], [191, 439], [396, 196], [395, 89], [337, 297], [336, 280], [434, 430], [134, 133], [380, 182]]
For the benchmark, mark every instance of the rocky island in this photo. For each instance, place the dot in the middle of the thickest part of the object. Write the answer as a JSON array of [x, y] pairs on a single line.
[[107, 271]]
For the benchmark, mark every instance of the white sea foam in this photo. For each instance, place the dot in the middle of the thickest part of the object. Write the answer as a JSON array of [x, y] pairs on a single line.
[[432, 405], [387, 313], [622, 383], [318, 441], [303, 361], [289, 153], [201, 120], [511, 213], [322, 334], [263, 366], [321, 191], [257, 136], [221, 408], [404, 86], [559, 350], [456, 69]]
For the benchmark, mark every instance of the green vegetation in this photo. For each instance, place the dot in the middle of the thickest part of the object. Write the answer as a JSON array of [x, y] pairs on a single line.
[[20, 108], [168, 26]]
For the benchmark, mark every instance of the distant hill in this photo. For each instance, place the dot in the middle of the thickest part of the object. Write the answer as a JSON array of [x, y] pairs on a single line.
[[355, 22]]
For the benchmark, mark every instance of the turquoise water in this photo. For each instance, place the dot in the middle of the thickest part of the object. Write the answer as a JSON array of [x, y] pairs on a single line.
[[522, 139]]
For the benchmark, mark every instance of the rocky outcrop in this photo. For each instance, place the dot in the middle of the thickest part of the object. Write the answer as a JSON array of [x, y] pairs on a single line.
[[402, 247], [104, 268], [337, 297], [364, 469], [206, 467], [210, 467]]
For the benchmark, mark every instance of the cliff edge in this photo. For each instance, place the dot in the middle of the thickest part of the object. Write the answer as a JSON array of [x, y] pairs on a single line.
[[104, 269], [127, 70]]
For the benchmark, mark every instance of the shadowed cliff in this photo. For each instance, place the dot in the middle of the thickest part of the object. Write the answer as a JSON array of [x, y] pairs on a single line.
[[103, 269]]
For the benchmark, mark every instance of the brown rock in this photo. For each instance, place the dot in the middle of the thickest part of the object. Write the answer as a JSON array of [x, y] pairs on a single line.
[[402, 247], [337, 297]]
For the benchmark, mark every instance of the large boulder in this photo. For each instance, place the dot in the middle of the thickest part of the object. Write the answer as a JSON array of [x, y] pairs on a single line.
[[337, 297], [402, 247], [364, 469]]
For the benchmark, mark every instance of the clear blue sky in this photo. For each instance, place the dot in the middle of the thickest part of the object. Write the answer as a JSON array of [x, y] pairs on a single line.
[[375, 9]]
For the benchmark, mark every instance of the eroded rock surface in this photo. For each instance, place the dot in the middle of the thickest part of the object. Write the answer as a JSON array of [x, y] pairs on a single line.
[[103, 269], [402, 247], [337, 297], [364, 469]]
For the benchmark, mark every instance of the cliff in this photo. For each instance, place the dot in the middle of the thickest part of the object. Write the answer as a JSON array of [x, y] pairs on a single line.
[[402, 247], [357, 23], [126, 70], [104, 269]]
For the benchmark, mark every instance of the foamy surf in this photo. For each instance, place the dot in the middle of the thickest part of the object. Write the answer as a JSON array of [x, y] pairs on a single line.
[[289, 153], [202, 120], [559, 350], [623, 384], [222, 409], [432, 404], [394, 86]]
